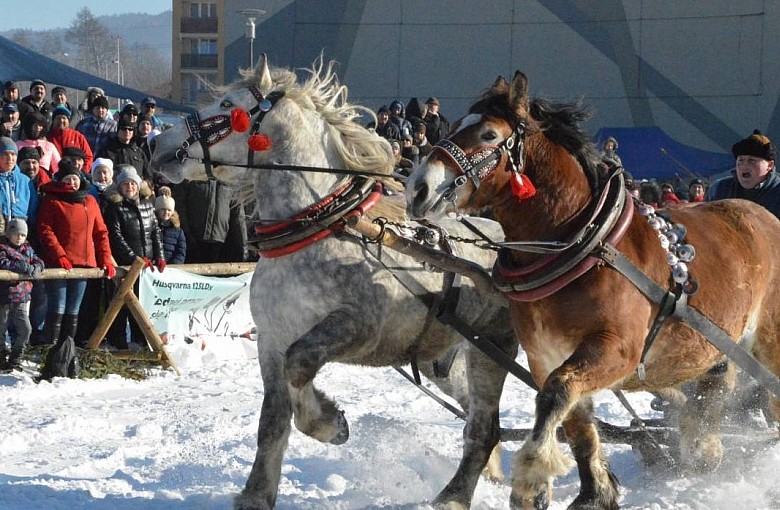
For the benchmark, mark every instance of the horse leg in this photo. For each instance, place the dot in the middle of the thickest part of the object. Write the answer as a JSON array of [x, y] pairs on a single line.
[[599, 486], [700, 420], [482, 431], [599, 362], [272, 435], [338, 334]]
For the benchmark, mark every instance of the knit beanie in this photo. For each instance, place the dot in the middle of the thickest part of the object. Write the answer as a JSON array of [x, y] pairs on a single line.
[[67, 167], [102, 162], [756, 145], [99, 101], [61, 109], [29, 153], [127, 173], [7, 145], [165, 200]]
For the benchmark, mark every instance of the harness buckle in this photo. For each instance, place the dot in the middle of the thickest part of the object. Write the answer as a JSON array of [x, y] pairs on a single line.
[[640, 372], [460, 181], [510, 142]]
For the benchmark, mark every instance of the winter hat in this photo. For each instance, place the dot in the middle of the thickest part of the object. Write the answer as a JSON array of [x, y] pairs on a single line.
[[37, 81], [432, 100], [10, 85], [16, 226], [165, 200], [127, 173], [149, 100], [7, 145], [99, 101], [102, 162], [756, 145], [56, 90], [67, 167], [144, 118], [11, 107], [396, 104], [382, 109], [73, 152], [421, 128], [61, 109], [124, 123], [130, 108], [613, 140], [29, 153]]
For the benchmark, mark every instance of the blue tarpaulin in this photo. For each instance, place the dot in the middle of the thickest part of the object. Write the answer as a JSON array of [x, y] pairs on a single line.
[[649, 153], [18, 63]]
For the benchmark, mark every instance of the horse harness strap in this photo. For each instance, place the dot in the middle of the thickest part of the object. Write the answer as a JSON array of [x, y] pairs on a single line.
[[692, 317], [316, 222]]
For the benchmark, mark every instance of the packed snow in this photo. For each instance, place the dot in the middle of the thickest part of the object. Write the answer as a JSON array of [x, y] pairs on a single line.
[[188, 442]]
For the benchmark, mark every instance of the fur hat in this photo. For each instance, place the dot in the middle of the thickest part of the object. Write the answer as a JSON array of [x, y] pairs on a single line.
[[165, 200], [67, 167], [7, 145], [29, 153], [16, 226], [99, 101], [127, 173], [756, 145], [102, 162]]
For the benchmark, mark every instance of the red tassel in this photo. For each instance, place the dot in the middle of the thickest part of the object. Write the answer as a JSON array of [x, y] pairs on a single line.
[[522, 187], [239, 120], [259, 142]]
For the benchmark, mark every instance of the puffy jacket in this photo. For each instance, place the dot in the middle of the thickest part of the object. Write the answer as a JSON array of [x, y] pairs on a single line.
[[127, 154], [18, 196], [174, 240], [132, 226], [64, 138], [70, 225], [18, 259]]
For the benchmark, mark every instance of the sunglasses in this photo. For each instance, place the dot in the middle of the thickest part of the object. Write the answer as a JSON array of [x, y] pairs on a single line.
[[127, 129]]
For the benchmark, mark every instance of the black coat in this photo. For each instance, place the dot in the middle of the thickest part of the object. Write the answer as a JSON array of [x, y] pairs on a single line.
[[126, 154], [132, 227]]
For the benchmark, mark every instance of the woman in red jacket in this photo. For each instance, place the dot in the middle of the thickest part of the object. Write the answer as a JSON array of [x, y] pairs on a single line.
[[71, 233]]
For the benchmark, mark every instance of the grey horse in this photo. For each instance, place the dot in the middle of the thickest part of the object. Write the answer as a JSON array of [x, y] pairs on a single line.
[[332, 300]]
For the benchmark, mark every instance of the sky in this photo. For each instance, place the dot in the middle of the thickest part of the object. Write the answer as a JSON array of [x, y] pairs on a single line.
[[60, 13], [188, 443]]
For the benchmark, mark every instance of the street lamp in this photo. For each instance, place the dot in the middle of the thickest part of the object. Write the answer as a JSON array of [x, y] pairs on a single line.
[[251, 16]]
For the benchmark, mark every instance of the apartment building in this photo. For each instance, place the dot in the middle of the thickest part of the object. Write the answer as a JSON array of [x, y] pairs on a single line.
[[198, 48]]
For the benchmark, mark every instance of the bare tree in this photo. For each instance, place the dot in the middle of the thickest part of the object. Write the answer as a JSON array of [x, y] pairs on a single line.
[[93, 43]]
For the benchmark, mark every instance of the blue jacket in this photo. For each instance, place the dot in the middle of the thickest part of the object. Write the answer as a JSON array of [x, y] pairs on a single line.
[[173, 240], [18, 196], [767, 193]]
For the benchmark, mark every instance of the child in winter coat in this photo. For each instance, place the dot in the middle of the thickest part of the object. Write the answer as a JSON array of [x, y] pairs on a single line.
[[18, 256], [174, 242]]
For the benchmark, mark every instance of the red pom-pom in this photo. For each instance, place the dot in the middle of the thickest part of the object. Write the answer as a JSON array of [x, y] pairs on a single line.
[[522, 187], [239, 120], [259, 142]]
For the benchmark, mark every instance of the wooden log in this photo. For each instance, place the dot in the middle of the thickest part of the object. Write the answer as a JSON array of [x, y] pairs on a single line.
[[222, 269], [483, 282], [608, 433]]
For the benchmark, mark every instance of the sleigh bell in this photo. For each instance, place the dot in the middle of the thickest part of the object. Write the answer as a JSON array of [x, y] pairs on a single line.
[[657, 223], [686, 252], [680, 272]]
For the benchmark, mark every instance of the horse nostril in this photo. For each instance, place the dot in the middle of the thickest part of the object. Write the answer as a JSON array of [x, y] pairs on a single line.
[[420, 192]]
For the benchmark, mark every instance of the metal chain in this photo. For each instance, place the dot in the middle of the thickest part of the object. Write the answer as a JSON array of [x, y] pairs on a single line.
[[479, 243]]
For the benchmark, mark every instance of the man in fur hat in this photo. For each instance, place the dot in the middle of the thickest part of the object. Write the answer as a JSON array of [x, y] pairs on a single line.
[[754, 178]]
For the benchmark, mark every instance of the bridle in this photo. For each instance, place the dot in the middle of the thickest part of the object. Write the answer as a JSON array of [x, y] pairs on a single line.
[[212, 130], [480, 164]]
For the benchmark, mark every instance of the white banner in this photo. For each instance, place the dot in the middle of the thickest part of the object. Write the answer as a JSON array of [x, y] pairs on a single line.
[[198, 315]]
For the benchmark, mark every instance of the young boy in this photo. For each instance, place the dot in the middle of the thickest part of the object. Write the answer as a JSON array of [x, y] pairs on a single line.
[[18, 256]]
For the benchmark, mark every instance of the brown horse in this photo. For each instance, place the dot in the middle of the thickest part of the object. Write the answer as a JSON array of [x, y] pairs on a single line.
[[582, 323]]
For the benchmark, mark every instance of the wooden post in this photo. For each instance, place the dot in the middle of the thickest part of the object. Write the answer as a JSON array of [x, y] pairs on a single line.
[[116, 304]]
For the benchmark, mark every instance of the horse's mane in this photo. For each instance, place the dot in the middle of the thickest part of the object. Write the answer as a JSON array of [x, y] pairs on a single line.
[[359, 148], [560, 122]]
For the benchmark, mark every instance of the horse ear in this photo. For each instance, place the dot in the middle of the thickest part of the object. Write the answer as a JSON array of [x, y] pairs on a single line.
[[518, 92], [500, 84], [264, 74]]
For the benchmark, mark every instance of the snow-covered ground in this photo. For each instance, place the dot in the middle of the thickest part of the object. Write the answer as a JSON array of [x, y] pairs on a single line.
[[187, 442]]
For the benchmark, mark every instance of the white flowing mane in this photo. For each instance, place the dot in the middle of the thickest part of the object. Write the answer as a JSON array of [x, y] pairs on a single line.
[[359, 148]]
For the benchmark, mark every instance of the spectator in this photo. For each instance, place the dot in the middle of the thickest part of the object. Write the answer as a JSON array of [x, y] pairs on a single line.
[[59, 96], [133, 232], [102, 177], [63, 137], [29, 159], [650, 193], [173, 239], [85, 107], [696, 191], [609, 154], [12, 126], [383, 127], [72, 234], [214, 224], [10, 93], [403, 166], [149, 107], [755, 177], [144, 133], [438, 126], [424, 147], [98, 126], [399, 120], [18, 256], [129, 113], [668, 196], [18, 195], [122, 151], [34, 128], [77, 157], [35, 101], [415, 112], [409, 150]]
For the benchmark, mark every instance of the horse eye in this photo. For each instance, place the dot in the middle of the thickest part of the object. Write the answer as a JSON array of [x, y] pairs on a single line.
[[226, 103], [489, 136]]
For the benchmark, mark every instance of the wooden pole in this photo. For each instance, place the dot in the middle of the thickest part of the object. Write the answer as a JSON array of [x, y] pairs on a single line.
[[116, 304], [483, 282], [147, 328]]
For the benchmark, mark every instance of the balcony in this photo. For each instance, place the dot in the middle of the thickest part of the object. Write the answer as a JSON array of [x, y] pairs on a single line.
[[197, 61], [199, 25]]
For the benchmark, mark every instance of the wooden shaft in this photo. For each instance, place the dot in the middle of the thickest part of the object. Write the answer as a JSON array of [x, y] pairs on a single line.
[[116, 303], [147, 328], [223, 269], [483, 282]]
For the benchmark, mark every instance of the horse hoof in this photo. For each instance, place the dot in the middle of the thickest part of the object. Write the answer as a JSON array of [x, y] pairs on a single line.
[[342, 435], [539, 502]]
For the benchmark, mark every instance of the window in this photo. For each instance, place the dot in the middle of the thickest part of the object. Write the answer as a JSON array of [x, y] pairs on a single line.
[[203, 10], [207, 47]]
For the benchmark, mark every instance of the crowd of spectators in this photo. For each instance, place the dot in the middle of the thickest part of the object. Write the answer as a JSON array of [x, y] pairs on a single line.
[[77, 191]]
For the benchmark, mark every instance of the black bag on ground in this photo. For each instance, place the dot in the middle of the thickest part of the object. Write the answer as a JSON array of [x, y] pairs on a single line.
[[61, 360]]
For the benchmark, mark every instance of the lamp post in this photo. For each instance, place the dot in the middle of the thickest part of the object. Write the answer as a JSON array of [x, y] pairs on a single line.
[[251, 16], [118, 71]]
